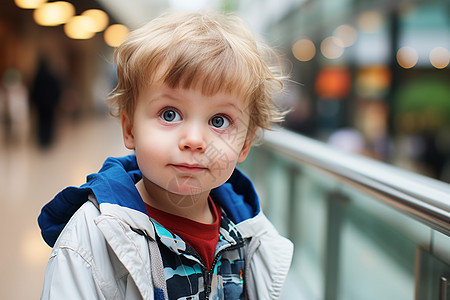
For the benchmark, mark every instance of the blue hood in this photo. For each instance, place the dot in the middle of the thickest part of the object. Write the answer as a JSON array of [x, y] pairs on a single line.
[[115, 184]]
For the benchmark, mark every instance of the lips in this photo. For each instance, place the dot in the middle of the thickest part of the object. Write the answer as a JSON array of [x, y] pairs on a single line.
[[189, 168]]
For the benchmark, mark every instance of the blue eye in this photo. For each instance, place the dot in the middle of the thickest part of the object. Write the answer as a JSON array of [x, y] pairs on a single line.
[[170, 115], [220, 122]]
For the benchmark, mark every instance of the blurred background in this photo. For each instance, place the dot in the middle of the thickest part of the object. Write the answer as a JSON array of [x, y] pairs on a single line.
[[370, 77]]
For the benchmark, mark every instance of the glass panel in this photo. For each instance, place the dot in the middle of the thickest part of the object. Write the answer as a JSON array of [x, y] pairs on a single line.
[[309, 233], [348, 244], [373, 255]]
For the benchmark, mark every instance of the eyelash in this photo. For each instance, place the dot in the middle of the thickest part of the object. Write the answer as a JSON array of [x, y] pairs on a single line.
[[165, 109], [226, 117]]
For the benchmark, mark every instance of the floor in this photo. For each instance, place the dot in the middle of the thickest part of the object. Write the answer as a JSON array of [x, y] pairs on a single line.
[[30, 177]]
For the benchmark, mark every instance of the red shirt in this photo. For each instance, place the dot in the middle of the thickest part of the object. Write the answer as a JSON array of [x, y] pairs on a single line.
[[202, 237]]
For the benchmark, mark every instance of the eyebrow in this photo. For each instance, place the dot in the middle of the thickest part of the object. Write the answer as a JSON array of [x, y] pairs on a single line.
[[234, 106], [161, 97], [165, 94]]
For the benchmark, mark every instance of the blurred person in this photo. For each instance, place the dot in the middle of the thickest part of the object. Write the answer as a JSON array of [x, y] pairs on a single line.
[[433, 157], [443, 145], [15, 106], [4, 116], [176, 220], [45, 95]]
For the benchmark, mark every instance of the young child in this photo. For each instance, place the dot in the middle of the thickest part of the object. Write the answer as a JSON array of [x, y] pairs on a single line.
[[176, 220]]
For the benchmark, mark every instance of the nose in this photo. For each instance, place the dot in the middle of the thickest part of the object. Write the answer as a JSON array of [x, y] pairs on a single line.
[[192, 138]]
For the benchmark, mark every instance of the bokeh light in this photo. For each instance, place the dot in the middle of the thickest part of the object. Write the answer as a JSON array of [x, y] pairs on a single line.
[[80, 28], [407, 57], [29, 4], [332, 47], [333, 83], [115, 34], [439, 57], [304, 50], [99, 17], [347, 34], [53, 13]]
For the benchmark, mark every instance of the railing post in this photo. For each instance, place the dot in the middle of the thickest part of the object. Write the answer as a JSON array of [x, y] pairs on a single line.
[[444, 288], [293, 202], [336, 214], [432, 276]]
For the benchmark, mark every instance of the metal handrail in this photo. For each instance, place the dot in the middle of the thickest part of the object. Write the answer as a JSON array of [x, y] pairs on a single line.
[[423, 198]]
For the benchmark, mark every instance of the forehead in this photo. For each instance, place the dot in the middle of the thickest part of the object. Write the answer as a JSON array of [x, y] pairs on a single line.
[[219, 85], [160, 91]]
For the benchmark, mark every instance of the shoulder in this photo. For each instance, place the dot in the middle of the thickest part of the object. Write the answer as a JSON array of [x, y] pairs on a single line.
[[81, 233], [81, 257], [257, 226], [83, 247]]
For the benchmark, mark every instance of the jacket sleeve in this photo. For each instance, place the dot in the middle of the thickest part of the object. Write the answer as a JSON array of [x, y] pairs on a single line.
[[69, 276], [79, 266]]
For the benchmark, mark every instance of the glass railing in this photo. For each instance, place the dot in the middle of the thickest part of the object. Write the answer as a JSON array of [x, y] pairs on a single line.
[[362, 229]]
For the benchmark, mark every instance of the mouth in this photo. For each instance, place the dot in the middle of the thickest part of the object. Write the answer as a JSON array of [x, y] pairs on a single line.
[[189, 168]]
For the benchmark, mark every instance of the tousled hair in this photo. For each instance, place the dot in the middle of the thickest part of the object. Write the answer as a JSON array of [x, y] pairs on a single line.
[[210, 51]]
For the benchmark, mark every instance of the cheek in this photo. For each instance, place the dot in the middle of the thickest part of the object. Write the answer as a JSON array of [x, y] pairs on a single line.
[[148, 144], [150, 148], [233, 144], [229, 154]]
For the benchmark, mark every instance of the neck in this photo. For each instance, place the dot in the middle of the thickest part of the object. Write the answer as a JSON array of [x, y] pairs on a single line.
[[194, 207]]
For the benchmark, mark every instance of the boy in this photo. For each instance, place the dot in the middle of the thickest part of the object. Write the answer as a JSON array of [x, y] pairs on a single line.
[[176, 220]]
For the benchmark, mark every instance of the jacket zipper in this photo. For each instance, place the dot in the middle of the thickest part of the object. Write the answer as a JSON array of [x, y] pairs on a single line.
[[207, 274]]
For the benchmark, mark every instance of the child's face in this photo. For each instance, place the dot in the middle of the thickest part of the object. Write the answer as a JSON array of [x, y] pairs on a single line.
[[185, 142]]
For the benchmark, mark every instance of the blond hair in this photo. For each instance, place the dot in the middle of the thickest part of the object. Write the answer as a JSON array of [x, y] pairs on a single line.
[[211, 51]]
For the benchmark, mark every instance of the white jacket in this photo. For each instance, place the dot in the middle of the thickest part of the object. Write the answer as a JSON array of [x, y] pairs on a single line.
[[102, 254]]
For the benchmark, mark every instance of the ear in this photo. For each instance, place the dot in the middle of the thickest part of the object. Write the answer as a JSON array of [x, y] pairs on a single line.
[[127, 131], [247, 146]]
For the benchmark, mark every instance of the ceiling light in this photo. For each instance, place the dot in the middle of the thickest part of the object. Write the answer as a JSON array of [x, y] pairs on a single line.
[[53, 13], [80, 28], [115, 34], [29, 4], [99, 17]]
